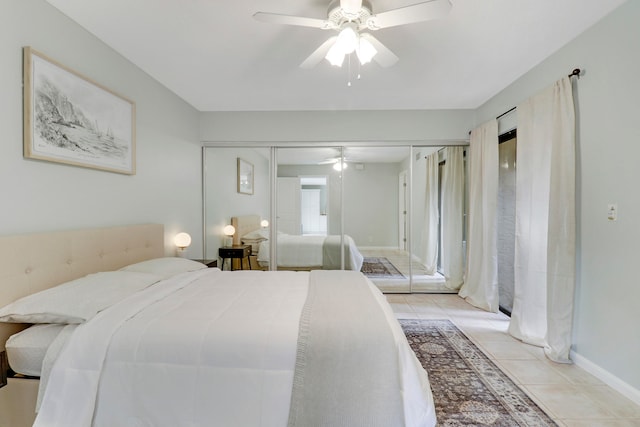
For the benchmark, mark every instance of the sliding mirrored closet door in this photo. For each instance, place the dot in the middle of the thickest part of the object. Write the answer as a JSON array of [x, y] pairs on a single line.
[[236, 185], [376, 217], [397, 213], [308, 205]]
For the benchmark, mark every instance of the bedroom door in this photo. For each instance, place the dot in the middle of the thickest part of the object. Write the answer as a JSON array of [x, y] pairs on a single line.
[[288, 211], [314, 205]]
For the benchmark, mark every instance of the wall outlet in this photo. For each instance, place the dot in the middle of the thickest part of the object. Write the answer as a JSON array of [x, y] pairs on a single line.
[[612, 212]]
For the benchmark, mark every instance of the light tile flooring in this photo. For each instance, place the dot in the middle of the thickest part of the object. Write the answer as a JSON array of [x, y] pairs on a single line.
[[570, 395]]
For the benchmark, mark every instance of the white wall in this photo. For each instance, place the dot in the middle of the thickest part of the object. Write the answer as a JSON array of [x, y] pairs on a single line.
[[607, 312], [371, 212], [41, 196], [438, 126]]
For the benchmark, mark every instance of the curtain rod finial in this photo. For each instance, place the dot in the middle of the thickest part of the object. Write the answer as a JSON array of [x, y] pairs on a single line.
[[575, 72]]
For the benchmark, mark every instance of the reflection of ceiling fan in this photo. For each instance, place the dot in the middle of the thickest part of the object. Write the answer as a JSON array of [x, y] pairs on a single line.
[[335, 161], [350, 18]]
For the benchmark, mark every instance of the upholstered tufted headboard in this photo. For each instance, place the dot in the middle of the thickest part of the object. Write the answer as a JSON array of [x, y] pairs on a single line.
[[33, 262], [243, 225]]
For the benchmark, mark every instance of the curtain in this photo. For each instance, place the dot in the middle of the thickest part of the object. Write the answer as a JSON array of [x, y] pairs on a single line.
[[480, 286], [452, 217], [431, 213], [545, 221]]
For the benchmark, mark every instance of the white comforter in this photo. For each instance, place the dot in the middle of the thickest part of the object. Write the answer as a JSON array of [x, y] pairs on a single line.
[[206, 348]]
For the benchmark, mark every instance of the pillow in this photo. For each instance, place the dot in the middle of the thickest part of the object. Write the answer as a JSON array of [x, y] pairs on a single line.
[[77, 300], [253, 241], [261, 233], [165, 267]]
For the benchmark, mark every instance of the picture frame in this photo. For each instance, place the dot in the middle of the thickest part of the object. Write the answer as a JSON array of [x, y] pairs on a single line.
[[245, 177], [71, 119]]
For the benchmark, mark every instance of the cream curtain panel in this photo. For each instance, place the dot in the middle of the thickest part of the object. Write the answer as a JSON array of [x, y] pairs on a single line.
[[481, 279], [431, 213], [545, 221], [452, 217]]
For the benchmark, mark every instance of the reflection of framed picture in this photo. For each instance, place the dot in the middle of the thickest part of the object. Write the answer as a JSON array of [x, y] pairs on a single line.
[[70, 119], [245, 177]]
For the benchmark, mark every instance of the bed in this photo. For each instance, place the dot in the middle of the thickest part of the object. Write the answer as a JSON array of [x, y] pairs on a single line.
[[168, 341], [297, 252]]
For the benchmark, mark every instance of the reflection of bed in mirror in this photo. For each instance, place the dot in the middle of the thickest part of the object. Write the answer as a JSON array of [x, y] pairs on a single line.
[[296, 252]]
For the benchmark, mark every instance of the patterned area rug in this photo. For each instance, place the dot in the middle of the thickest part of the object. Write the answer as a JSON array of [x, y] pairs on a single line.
[[468, 388], [380, 268]]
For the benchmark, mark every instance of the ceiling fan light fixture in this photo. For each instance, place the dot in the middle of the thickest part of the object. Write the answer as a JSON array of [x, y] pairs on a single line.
[[339, 166], [348, 38], [349, 41], [365, 51], [348, 18], [335, 56]]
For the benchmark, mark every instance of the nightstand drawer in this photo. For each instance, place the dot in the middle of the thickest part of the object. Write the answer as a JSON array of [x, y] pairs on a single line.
[[234, 251]]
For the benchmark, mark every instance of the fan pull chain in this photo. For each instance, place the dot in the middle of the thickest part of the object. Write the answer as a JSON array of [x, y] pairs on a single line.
[[349, 70]]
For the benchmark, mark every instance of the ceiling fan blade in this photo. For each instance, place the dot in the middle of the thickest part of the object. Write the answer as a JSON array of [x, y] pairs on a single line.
[[275, 18], [351, 7], [319, 54], [383, 56], [328, 162], [426, 11]]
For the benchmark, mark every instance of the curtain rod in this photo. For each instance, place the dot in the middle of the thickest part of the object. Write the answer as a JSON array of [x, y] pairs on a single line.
[[575, 72]]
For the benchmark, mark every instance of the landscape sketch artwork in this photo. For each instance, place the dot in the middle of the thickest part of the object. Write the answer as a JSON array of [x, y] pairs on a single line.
[[76, 121]]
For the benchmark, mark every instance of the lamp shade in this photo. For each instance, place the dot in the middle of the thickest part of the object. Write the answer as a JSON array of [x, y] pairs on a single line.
[[365, 51], [347, 39], [335, 55], [182, 240], [229, 230]]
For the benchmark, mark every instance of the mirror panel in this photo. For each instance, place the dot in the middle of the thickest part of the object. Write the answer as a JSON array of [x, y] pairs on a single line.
[[224, 198], [376, 201], [438, 212], [402, 208], [308, 208]]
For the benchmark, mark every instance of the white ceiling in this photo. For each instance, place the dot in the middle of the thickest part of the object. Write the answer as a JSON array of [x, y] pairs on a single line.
[[215, 56]]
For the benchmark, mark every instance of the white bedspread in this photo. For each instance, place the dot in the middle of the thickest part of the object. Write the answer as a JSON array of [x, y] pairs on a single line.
[[206, 348], [307, 251]]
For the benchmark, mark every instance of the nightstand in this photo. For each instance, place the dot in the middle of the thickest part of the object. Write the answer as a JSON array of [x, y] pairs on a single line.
[[208, 262], [4, 368], [235, 252]]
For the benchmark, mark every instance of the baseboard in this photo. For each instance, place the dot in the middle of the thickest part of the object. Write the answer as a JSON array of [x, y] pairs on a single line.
[[380, 248], [607, 377]]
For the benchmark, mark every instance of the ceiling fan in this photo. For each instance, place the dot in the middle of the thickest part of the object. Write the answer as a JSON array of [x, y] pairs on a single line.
[[351, 19], [337, 161]]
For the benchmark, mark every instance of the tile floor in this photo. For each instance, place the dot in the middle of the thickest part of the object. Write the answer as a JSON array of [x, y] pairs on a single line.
[[422, 282], [570, 395]]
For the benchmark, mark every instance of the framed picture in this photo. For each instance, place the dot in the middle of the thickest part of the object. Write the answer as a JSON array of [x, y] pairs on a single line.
[[245, 177], [71, 119]]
